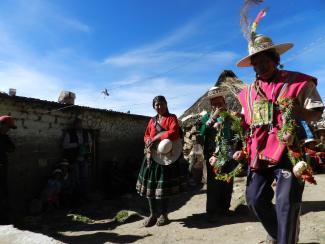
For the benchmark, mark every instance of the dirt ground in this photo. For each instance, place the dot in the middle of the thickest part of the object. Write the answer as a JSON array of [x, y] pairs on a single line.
[[96, 223]]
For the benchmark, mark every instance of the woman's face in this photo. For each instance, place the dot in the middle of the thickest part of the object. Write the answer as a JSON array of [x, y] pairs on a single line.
[[263, 65], [160, 107]]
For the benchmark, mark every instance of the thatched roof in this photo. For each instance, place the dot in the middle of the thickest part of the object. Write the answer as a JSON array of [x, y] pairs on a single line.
[[227, 81]]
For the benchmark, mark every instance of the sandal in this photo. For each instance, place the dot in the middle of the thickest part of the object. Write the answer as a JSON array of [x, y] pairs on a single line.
[[150, 221], [162, 220]]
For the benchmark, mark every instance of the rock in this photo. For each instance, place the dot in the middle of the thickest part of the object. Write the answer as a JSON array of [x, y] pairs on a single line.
[[10, 234]]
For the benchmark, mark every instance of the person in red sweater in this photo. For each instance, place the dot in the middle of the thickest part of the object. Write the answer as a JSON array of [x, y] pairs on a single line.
[[160, 175]]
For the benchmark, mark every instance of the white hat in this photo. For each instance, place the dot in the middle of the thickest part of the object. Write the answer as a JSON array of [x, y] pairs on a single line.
[[57, 171], [310, 140], [215, 91], [320, 129], [167, 151], [64, 162], [165, 146], [261, 44]]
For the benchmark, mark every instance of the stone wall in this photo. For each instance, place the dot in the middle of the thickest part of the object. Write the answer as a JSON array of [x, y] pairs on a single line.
[[38, 138]]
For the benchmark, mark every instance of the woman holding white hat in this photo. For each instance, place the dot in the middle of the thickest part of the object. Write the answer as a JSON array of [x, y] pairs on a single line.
[[159, 177]]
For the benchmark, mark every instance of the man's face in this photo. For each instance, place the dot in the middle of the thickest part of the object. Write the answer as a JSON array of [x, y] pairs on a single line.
[[322, 136], [263, 65], [322, 139], [218, 102]]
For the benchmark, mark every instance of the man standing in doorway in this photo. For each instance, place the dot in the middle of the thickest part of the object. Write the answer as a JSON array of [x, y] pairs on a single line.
[[77, 145]]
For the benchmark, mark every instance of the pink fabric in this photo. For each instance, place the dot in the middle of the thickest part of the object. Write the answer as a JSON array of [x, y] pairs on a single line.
[[270, 149]]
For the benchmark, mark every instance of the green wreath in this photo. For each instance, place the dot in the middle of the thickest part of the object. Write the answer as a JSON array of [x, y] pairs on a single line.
[[222, 156], [295, 151]]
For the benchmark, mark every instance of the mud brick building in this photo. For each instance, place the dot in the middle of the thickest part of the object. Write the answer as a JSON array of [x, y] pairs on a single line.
[[118, 142]]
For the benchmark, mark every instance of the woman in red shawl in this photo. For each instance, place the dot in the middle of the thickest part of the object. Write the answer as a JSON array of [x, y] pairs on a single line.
[[156, 180]]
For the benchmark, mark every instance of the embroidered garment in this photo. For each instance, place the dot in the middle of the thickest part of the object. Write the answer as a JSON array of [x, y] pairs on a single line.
[[264, 149]]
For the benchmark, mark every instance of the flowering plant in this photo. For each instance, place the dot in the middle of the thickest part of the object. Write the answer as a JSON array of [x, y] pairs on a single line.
[[301, 169], [223, 157]]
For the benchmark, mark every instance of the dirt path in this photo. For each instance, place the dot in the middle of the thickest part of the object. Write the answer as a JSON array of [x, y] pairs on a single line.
[[189, 226], [188, 222]]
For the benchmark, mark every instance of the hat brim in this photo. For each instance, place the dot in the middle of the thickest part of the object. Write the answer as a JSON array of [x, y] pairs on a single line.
[[320, 129], [169, 158], [310, 140], [219, 94], [280, 49]]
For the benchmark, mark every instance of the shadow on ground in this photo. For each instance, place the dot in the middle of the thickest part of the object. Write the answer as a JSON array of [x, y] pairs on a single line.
[[97, 217], [312, 206], [100, 237], [199, 221]]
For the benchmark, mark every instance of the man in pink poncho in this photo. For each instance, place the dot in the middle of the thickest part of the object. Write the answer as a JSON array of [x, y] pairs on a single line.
[[266, 152]]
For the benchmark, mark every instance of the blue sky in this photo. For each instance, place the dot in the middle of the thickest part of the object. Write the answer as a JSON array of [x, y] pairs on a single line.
[[138, 49]]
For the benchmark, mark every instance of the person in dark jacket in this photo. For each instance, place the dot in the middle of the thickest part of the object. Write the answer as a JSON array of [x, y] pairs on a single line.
[[214, 129], [77, 146], [6, 146]]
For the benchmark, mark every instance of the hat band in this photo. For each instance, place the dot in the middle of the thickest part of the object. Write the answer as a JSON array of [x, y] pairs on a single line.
[[216, 94], [259, 47]]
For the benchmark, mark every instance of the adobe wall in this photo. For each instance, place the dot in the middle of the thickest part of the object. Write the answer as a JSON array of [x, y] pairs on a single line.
[[39, 135]]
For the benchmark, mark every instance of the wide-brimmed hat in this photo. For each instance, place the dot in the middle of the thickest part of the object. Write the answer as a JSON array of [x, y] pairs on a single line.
[[167, 151], [64, 162], [9, 121], [215, 91], [320, 129], [57, 171], [260, 44], [310, 140]]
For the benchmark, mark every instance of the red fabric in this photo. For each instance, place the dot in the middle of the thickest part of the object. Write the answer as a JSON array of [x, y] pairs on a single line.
[[273, 149], [9, 121], [169, 123], [316, 155]]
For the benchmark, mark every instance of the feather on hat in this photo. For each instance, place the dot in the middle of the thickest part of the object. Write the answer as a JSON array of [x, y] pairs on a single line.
[[259, 43]]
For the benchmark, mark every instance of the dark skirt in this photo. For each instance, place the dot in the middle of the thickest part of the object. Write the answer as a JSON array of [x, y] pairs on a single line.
[[160, 181]]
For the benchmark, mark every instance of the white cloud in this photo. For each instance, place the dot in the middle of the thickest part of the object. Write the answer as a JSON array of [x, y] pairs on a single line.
[[139, 74], [74, 24], [139, 99], [161, 50], [28, 82], [150, 58]]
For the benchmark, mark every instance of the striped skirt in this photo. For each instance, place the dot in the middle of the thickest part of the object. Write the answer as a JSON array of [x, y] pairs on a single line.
[[160, 181]]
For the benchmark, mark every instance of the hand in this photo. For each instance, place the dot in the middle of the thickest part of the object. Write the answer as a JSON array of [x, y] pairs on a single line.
[[210, 122], [217, 125], [238, 155], [216, 113], [212, 160], [148, 143], [288, 139], [149, 162]]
